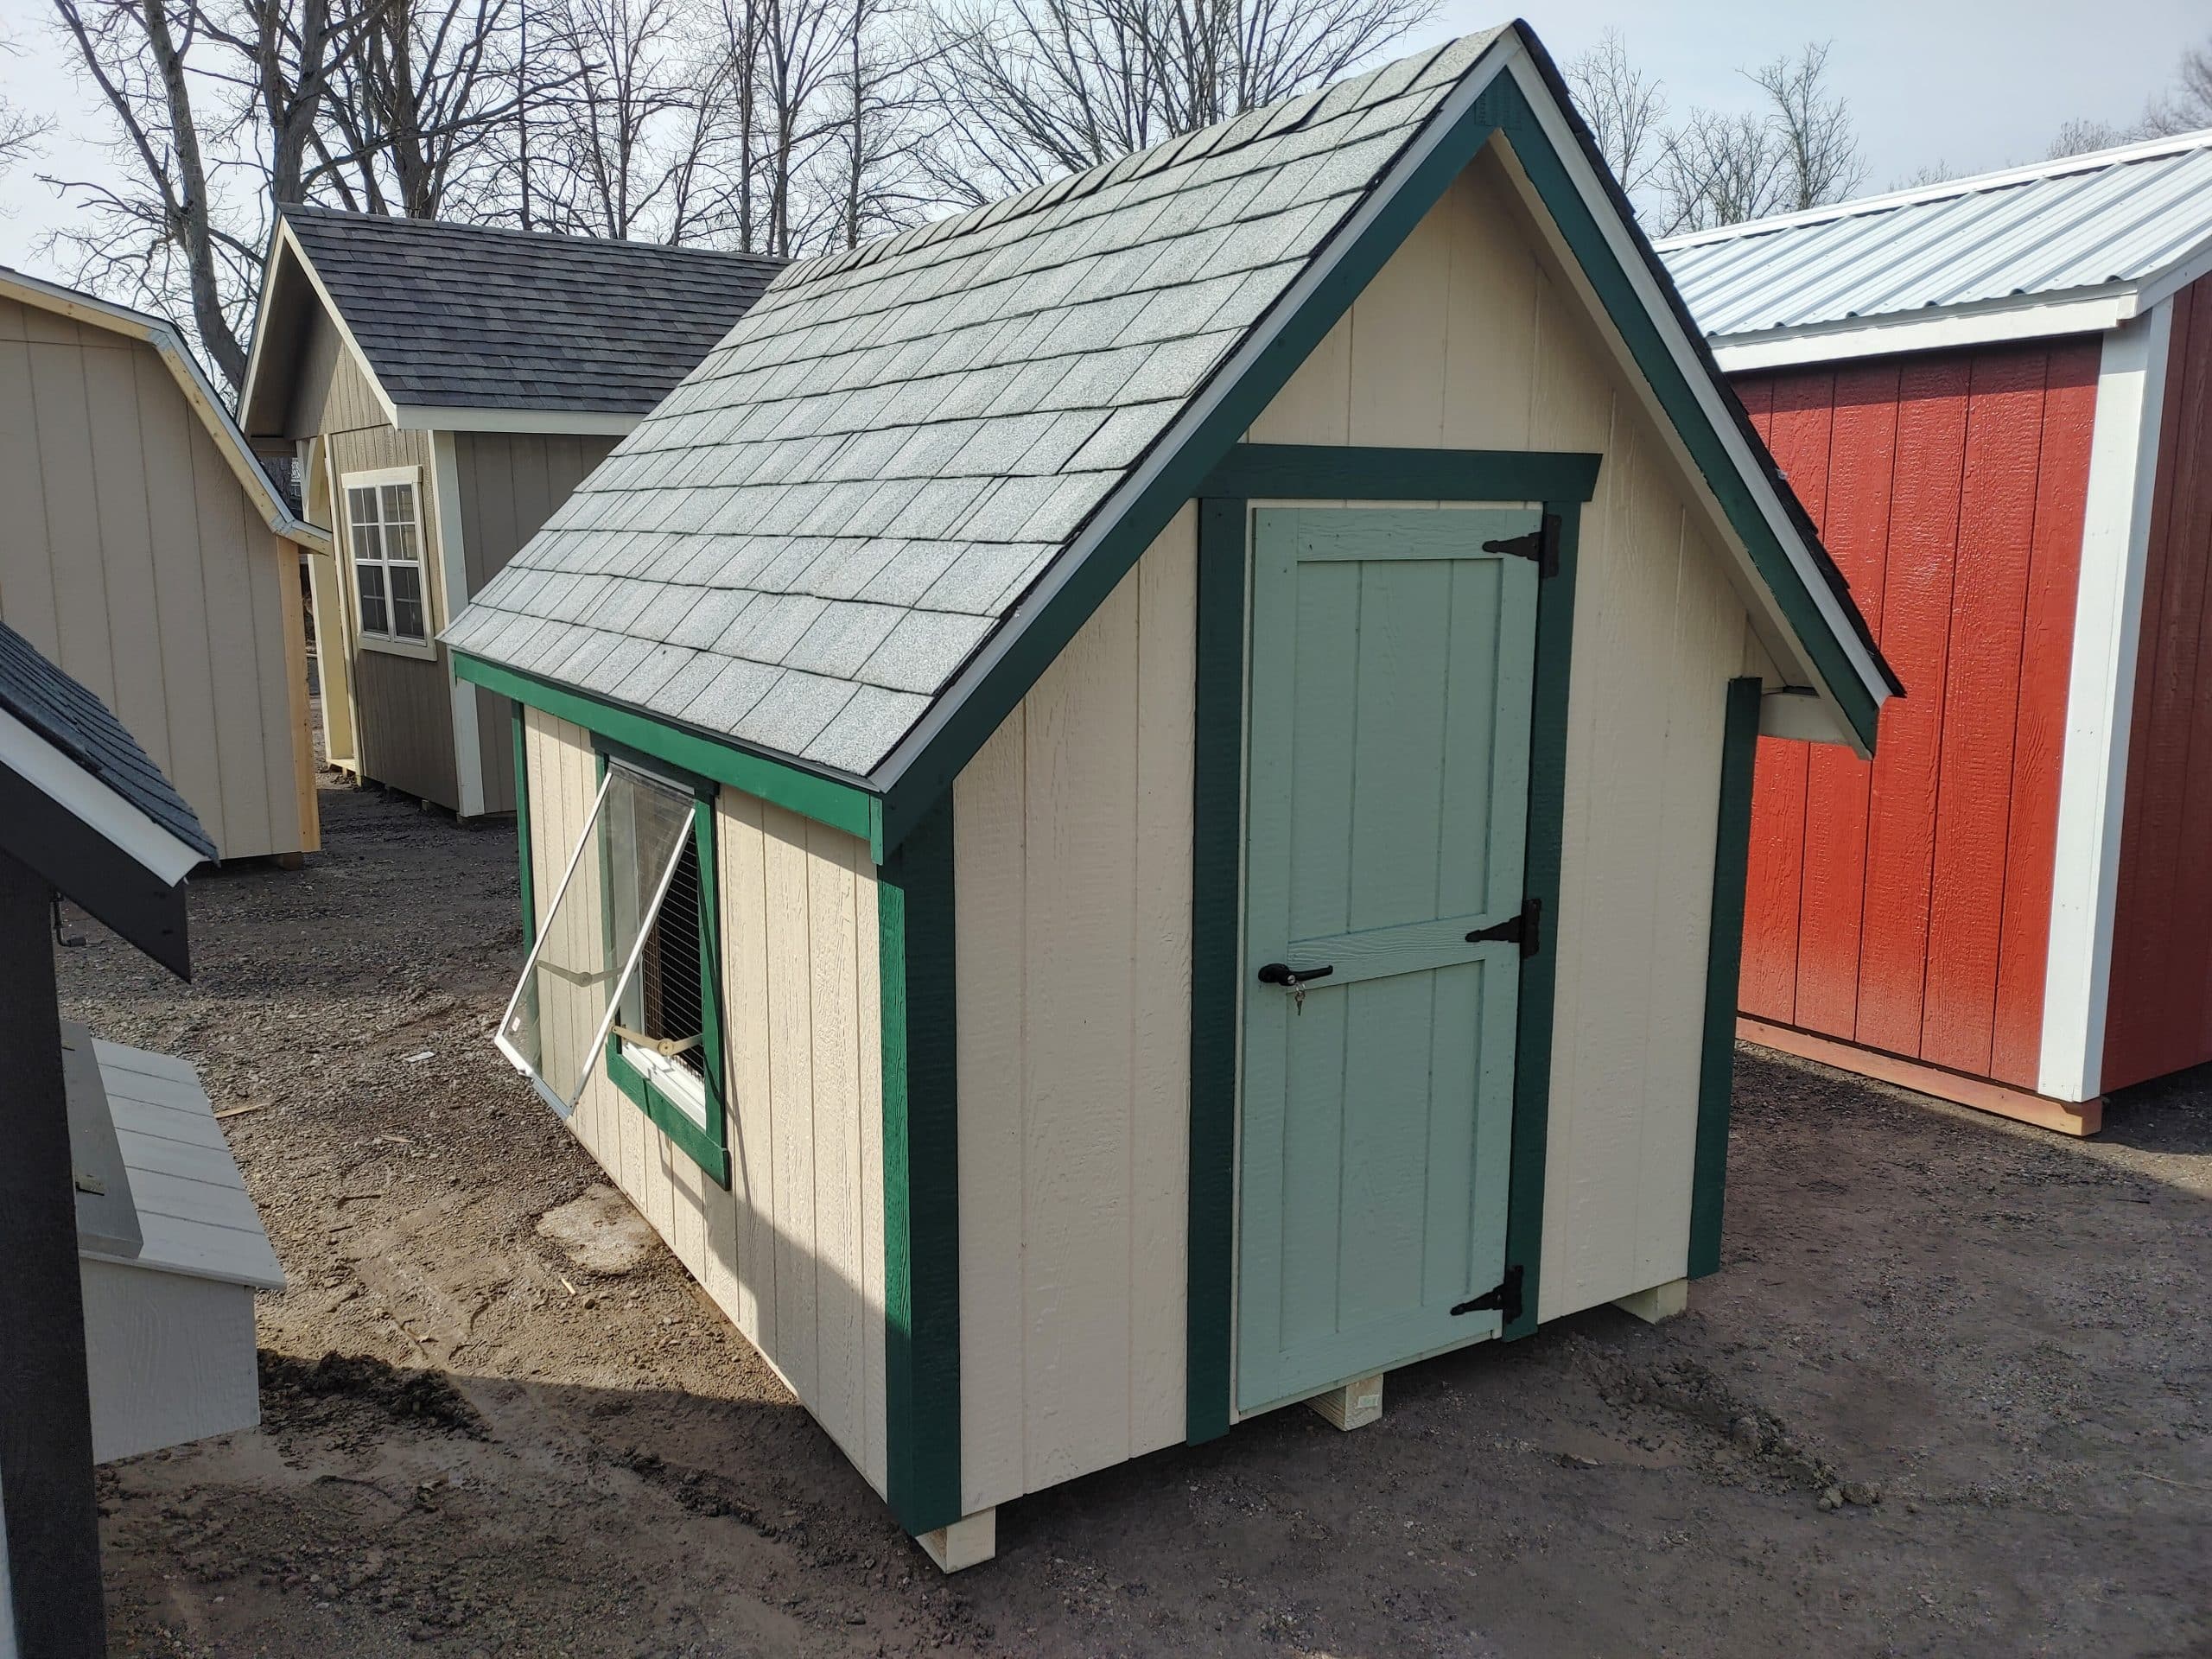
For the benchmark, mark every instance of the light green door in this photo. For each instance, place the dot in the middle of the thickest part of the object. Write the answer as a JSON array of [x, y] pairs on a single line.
[[1392, 663]]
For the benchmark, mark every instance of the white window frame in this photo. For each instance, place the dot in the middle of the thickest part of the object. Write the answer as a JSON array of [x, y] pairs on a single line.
[[426, 648]]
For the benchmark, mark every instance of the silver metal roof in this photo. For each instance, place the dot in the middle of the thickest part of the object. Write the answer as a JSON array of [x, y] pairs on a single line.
[[2114, 221]]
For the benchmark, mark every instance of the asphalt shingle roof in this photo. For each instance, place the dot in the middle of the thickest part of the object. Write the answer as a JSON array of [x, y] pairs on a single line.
[[77, 723], [481, 317], [802, 545]]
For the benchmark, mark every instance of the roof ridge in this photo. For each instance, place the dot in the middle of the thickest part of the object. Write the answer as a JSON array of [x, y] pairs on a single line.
[[2095, 161], [404, 223]]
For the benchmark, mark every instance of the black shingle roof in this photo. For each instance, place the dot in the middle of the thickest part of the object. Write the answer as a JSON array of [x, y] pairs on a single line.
[[478, 317], [79, 724]]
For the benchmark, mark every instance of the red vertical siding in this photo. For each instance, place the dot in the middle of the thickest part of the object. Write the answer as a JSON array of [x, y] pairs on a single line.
[[2159, 1014], [1905, 906]]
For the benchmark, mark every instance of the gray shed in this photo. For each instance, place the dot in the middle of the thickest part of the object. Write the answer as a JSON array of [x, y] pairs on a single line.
[[1133, 802], [442, 389]]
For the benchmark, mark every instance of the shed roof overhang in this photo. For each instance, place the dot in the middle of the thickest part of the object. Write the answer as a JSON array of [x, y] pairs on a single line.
[[1513, 96], [93, 845], [276, 512]]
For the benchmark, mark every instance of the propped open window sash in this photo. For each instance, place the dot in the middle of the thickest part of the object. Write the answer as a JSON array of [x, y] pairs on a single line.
[[588, 950]]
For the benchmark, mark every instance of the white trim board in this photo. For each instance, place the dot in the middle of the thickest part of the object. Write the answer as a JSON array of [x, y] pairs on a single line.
[[453, 594], [2100, 704], [94, 804], [1923, 332], [550, 422]]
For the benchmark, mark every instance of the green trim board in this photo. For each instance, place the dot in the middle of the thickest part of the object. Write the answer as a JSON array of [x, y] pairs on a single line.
[[522, 829], [1314, 471], [1216, 940], [921, 1175], [1216, 951], [1509, 108], [1532, 1073], [841, 805], [1723, 963]]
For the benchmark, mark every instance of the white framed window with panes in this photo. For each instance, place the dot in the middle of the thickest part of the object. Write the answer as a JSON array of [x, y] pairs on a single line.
[[385, 540]]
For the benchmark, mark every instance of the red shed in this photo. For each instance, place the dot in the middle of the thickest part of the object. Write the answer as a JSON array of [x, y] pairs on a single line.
[[1994, 396]]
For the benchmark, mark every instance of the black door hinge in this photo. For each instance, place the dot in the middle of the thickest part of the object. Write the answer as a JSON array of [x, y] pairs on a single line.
[[1540, 544], [1502, 1299], [1526, 930]]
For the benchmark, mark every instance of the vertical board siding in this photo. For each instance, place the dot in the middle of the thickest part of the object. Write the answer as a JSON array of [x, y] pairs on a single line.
[[1659, 631], [793, 1251], [2159, 1015], [1950, 488], [509, 485], [132, 555], [1072, 832]]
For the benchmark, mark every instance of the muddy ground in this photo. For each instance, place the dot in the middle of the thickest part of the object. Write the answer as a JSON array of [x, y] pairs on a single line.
[[1994, 1339]]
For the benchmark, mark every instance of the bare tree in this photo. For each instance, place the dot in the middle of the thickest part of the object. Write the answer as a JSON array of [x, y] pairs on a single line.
[[1812, 129], [606, 163], [1624, 108], [2187, 105], [1027, 90], [20, 131], [2079, 137], [1798, 150]]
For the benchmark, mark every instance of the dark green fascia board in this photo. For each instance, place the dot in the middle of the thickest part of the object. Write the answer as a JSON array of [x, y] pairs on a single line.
[[916, 965], [1355, 473], [1516, 122], [1716, 1081], [811, 795], [522, 829], [1533, 1017], [1217, 858]]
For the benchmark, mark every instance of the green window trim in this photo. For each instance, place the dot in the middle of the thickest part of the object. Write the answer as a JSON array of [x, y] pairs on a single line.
[[811, 794], [708, 1146], [1217, 863], [1314, 471], [522, 831], [1723, 964]]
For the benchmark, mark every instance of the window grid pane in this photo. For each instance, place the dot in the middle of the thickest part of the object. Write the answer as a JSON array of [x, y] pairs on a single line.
[[371, 577], [406, 601]]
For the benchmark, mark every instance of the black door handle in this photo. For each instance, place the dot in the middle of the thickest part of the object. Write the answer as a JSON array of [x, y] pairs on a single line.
[[1290, 979]]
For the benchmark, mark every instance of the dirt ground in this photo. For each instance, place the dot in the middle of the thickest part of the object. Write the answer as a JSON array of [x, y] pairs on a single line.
[[1994, 1342]]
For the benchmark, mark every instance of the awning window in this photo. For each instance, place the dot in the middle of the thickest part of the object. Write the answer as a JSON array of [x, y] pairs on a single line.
[[588, 948]]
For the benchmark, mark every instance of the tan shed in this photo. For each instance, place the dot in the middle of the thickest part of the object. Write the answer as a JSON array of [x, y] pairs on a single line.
[[145, 550], [1134, 802], [442, 388]]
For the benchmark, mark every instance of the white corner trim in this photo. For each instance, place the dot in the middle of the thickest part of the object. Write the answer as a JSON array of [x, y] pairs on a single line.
[[452, 594], [100, 808], [551, 423], [1708, 394], [2099, 705], [1920, 332]]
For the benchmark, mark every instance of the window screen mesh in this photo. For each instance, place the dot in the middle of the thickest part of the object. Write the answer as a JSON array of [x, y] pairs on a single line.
[[589, 946]]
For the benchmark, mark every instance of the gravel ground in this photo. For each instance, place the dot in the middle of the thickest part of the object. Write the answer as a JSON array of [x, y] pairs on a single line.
[[1992, 1343]]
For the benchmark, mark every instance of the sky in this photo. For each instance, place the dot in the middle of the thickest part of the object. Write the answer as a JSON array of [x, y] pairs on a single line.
[[1970, 85]]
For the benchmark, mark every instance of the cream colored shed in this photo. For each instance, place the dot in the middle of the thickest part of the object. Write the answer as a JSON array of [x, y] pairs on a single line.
[[1135, 803], [144, 548]]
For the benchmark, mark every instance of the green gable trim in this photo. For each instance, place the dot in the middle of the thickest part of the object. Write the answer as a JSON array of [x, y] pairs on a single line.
[[1724, 958], [1294, 470], [522, 831], [921, 1176], [1187, 472], [1532, 1046], [841, 805], [1517, 122], [1217, 950]]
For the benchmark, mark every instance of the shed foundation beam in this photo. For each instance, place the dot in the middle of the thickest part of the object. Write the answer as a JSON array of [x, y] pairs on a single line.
[[1659, 1304], [970, 1541], [1354, 1405], [2067, 1116]]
